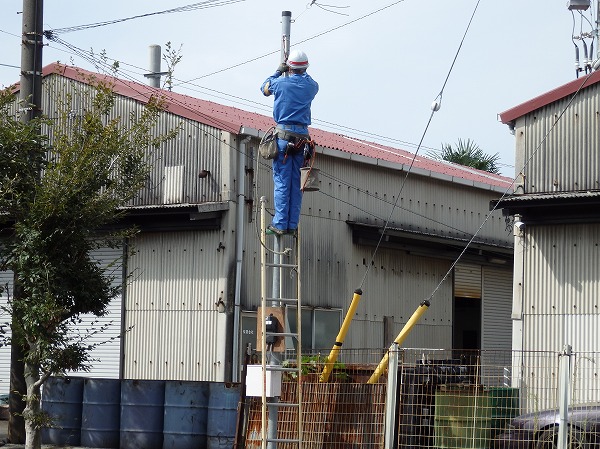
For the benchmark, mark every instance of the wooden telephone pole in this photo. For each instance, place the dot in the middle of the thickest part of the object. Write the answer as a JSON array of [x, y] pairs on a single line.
[[30, 100]]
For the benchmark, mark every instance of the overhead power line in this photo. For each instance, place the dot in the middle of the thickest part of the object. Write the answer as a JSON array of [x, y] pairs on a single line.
[[298, 43], [412, 162], [194, 6]]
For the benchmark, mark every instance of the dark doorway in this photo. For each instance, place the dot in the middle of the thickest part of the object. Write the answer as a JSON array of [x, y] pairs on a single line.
[[467, 325]]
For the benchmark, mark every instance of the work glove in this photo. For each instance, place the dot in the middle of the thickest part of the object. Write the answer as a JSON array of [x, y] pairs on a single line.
[[283, 67]]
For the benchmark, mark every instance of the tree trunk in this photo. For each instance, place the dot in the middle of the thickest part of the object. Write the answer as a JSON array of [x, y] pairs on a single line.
[[16, 404], [16, 426], [32, 407]]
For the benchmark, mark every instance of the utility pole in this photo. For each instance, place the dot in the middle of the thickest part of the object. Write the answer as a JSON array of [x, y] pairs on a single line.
[[30, 107], [286, 24], [31, 59]]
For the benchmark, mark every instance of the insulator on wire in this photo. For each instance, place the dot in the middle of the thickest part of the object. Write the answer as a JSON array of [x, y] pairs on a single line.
[[586, 61]]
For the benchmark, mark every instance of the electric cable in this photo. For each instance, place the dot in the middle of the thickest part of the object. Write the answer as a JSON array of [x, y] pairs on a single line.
[[325, 8], [525, 164], [577, 66], [433, 111], [194, 6], [11, 34], [300, 42]]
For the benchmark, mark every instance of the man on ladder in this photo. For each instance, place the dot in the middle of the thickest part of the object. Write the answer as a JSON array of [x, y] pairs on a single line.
[[291, 112]]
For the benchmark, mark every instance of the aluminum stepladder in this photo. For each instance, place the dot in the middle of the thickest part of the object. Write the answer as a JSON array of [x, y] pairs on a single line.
[[273, 261]]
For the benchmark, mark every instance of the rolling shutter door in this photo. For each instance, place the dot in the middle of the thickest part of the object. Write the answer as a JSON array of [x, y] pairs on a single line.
[[6, 277], [497, 308], [467, 281]]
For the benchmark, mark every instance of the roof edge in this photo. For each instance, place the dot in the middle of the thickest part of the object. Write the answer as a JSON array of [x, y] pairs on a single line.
[[510, 115]]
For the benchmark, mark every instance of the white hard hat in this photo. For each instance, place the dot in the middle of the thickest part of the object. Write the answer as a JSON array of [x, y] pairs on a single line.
[[297, 60]]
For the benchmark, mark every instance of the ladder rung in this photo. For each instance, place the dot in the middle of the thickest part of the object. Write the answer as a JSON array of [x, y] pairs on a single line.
[[292, 300], [281, 368], [282, 265], [282, 404], [282, 334], [282, 440]]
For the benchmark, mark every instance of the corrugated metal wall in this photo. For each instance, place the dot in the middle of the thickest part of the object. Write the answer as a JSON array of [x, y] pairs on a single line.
[[176, 164], [333, 266], [561, 290], [176, 331], [106, 355], [568, 160]]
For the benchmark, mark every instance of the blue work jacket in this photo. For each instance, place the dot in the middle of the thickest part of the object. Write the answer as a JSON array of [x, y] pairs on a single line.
[[293, 97]]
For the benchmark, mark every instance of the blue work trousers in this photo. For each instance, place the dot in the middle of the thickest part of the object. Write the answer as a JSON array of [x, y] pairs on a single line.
[[288, 196]]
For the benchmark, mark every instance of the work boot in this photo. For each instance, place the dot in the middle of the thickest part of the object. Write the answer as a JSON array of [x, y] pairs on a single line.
[[273, 230], [293, 232]]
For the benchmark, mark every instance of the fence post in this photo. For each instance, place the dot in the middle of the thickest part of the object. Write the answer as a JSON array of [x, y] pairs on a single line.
[[390, 400], [564, 373]]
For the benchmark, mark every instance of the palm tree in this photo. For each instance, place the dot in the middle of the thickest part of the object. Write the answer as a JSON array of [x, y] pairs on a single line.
[[469, 154]]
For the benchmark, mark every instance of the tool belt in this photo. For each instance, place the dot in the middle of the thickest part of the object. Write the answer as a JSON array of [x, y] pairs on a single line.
[[290, 136]]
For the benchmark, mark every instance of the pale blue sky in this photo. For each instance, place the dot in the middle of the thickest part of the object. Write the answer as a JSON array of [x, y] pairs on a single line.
[[378, 74]]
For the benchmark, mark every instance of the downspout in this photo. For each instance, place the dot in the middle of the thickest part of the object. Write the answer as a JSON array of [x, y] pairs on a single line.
[[239, 254]]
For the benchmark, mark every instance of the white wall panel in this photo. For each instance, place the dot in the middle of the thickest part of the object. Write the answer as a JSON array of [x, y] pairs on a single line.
[[176, 332]]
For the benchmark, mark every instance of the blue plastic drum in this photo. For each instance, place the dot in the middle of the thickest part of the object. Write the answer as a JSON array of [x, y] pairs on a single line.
[[186, 415], [62, 399], [222, 414], [142, 414], [100, 416]]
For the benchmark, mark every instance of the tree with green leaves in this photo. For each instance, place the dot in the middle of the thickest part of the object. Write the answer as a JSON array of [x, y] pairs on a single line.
[[59, 203], [468, 153], [172, 57]]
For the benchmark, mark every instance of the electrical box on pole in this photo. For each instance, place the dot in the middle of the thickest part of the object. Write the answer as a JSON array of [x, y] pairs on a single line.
[[579, 5]]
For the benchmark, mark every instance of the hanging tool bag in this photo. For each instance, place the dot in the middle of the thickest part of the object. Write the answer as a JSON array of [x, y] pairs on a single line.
[[268, 144]]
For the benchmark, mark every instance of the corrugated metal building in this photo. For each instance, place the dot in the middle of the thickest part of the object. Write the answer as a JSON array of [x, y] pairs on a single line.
[[196, 262], [556, 285]]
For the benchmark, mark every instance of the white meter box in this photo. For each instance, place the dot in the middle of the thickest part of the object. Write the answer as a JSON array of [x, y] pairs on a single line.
[[254, 382]]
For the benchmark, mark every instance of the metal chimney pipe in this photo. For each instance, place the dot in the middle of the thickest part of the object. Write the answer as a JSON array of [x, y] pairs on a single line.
[[155, 58]]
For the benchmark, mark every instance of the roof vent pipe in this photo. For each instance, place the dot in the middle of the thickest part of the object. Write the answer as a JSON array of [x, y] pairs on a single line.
[[155, 73]]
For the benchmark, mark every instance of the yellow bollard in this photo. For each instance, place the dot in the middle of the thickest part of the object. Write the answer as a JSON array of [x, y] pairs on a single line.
[[339, 341], [399, 339]]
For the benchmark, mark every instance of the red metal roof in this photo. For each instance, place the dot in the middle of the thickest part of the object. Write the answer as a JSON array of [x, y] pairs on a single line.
[[549, 97], [231, 119]]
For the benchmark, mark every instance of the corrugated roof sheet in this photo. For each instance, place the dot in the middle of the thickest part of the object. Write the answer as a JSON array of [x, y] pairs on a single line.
[[540, 101], [231, 119], [530, 197]]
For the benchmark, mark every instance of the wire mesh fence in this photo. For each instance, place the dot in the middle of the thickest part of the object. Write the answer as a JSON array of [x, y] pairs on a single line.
[[445, 399]]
